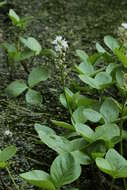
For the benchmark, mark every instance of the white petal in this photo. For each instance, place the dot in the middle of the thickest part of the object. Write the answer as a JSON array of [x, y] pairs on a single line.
[[124, 25], [58, 38], [64, 44], [58, 48]]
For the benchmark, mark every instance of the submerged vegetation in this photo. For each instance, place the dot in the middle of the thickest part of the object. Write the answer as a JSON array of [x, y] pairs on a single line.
[[70, 130]]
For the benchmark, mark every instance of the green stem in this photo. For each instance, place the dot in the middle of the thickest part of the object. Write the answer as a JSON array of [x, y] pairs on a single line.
[[121, 138], [121, 129], [63, 83], [11, 177], [111, 187], [122, 118]]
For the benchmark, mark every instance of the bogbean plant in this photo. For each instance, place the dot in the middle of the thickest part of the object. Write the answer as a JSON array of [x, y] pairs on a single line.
[[97, 116], [18, 53], [97, 111], [33, 97]]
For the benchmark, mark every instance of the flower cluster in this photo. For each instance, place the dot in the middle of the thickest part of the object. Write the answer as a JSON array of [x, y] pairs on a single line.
[[61, 44]]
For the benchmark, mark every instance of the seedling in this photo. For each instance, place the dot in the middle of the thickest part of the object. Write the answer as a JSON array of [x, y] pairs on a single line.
[[104, 113], [21, 49], [5, 156], [33, 97], [64, 170], [96, 123], [114, 165]]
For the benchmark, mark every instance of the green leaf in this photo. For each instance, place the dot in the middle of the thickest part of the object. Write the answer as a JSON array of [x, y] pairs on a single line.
[[92, 115], [14, 17], [114, 164], [109, 110], [120, 78], [64, 170], [116, 160], [16, 88], [122, 57], [3, 165], [94, 58], [85, 131], [80, 100], [100, 49], [85, 68], [111, 42], [78, 115], [55, 142], [48, 53], [107, 133], [78, 144], [82, 55], [10, 48], [33, 97], [69, 95], [102, 79], [7, 153], [111, 67], [88, 80], [39, 179], [104, 166], [32, 44], [95, 148], [44, 128], [37, 75], [62, 100], [26, 55], [63, 125], [13, 54], [81, 157]]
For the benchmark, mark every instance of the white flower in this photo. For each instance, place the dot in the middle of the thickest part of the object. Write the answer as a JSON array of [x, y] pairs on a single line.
[[64, 44], [60, 44], [124, 25], [57, 40], [58, 48], [8, 133]]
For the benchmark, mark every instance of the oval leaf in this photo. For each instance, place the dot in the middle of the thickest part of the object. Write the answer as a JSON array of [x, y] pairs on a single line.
[[64, 170], [102, 79], [85, 131], [63, 125], [92, 115], [122, 57], [37, 75], [7, 153], [82, 55], [38, 178], [55, 142], [33, 97], [16, 88], [44, 128], [78, 115], [109, 110], [32, 44], [111, 42], [14, 17]]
